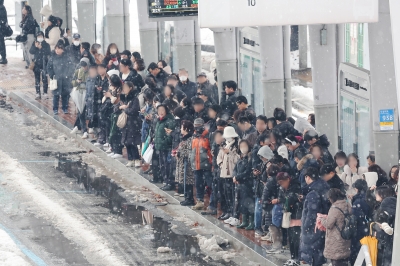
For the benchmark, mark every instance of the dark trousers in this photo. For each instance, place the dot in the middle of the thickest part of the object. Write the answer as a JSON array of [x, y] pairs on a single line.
[[202, 178], [115, 143], [133, 152], [217, 194], [2, 47], [80, 121], [229, 194], [40, 73], [164, 158], [104, 132], [343, 262], [64, 102], [155, 167], [294, 241]]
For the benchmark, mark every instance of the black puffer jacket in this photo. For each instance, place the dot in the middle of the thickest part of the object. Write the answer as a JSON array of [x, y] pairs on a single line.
[[131, 134], [203, 114], [3, 18], [41, 56], [228, 105], [135, 78], [336, 182], [289, 198], [326, 155], [242, 171], [74, 52], [189, 88], [286, 128], [271, 191], [28, 25], [61, 68]]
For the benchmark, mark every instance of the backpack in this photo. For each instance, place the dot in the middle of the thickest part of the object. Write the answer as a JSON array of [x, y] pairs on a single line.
[[349, 229]]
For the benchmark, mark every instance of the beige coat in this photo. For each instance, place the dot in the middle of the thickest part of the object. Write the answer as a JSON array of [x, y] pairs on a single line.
[[227, 162], [54, 36], [349, 178], [336, 248]]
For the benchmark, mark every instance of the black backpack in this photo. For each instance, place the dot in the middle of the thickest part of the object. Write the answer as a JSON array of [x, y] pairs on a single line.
[[349, 229]]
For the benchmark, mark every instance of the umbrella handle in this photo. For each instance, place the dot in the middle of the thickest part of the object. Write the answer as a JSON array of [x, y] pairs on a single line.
[[370, 228]]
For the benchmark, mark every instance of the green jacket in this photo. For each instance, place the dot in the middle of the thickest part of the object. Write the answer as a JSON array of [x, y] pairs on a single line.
[[80, 74], [162, 140]]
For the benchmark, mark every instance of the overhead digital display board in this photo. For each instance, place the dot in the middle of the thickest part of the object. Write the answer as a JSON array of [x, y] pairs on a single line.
[[173, 8], [250, 13]]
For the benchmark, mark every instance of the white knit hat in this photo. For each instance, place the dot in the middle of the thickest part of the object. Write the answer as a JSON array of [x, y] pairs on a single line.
[[229, 132], [113, 72]]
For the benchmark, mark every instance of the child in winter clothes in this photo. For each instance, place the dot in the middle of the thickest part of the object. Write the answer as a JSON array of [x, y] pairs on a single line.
[[227, 159], [93, 96]]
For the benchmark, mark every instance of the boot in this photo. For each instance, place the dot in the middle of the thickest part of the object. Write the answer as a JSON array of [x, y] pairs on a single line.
[[189, 200], [245, 222], [251, 222]]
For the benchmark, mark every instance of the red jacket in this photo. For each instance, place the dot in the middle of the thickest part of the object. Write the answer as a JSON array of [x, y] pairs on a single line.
[[201, 158]]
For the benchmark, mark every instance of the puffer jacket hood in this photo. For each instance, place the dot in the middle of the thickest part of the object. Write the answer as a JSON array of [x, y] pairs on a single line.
[[323, 141], [46, 11], [389, 206], [307, 161], [319, 186], [266, 152]]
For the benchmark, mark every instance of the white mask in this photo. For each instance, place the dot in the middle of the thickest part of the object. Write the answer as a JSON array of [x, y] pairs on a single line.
[[65, 35], [183, 78], [244, 150], [229, 139], [77, 43], [113, 51], [116, 63], [39, 39]]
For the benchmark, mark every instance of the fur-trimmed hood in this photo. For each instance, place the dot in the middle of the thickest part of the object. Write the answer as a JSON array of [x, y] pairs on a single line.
[[307, 161]]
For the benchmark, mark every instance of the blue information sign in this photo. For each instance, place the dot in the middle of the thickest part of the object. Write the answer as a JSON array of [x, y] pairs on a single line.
[[386, 119]]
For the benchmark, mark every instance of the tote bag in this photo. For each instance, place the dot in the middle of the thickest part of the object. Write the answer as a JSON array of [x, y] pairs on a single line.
[[53, 84], [286, 219], [122, 118], [148, 155], [277, 212]]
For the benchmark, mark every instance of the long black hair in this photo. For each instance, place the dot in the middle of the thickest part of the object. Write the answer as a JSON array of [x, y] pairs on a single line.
[[28, 9]]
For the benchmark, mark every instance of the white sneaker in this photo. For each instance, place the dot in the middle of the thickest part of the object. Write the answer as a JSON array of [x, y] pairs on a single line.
[[137, 163], [37, 96], [85, 135], [227, 221], [130, 164], [109, 150], [91, 131], [234, 222], [116, 156], [75, 130], [45, 96], [106, 145], [110, 154], [97, 144], [274, 251]]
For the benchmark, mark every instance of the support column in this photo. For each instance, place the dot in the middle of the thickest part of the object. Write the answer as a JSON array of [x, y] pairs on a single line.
[[225, 55], [86, 20], [287, 70], [383, 86], [127, 26], [63, 10], [197, 44], [148, 34], [271, 46], [115, 30], [323, 59], [303, 47], [185, 47]]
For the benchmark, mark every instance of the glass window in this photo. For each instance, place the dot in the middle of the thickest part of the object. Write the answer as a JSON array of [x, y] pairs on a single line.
[[246, 76], [354, 44], [100, 23], [347, 118], [258, 99], [362, 131], [167, 43]]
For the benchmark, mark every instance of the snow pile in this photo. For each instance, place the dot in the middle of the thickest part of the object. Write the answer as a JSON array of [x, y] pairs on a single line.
[[10, 254], [212, 247], [46, 203], [164, 250]]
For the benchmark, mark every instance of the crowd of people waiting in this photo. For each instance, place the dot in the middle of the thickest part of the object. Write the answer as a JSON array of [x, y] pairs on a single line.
[[273, 175]]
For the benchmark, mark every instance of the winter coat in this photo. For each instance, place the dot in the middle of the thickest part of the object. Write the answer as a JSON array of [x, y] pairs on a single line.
[[41, 56], [336, 248], [80, 74], [323, 142], [53, 37], [28, 25], [189, 112], [205, 86], [363, 214], [162, 140], [306, 162], [3, 18], [312, 242], [228, 105], [349, 178], [292, 162], [161, 78], [336, 182], [252, 138], [182, 157], [189, 88], [285, 128], [180, 95], [203, 114], [248, 133], [74, 52], [92, 98], [61, 68], [227, 161], [392, 183], [201, 158], [242, 171], [214, 93], [131, 132], [88, 55], [270, 192], [289, 198], [146, 124], [107, 59], [135, 78], [386, 213], [105, 111], [176, 134]]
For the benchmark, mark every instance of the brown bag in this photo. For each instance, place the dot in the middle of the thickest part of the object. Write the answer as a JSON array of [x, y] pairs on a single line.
[[32, 65], [122, 118]]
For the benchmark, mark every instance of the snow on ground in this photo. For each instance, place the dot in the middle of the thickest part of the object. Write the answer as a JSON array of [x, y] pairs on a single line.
[[10, 254], [47, 204]]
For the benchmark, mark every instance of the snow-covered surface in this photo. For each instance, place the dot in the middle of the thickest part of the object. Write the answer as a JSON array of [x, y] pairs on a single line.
[[47, 204], [10, 254]]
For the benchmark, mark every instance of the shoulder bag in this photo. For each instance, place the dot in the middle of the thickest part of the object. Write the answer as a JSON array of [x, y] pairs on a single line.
[[122, 119]]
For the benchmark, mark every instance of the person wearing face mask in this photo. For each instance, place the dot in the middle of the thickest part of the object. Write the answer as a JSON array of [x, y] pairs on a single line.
[[95, 50], [40, 50], [242, 176], [185, 85], [74, 50], [158, 74], [112, 57]]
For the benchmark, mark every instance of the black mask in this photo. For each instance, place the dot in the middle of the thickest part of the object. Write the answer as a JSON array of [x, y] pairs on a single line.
[[200, 129]]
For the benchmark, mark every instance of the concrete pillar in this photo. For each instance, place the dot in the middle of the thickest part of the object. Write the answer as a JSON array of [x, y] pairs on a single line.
[[383, 84], [324, 68], [127, 25], [86, 20], [185, 47], [148, 34], [225, 55], [63, 10], [287, 70], [271, 46], [36, 5], [197, 46], [115, 30], [303, 46]]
